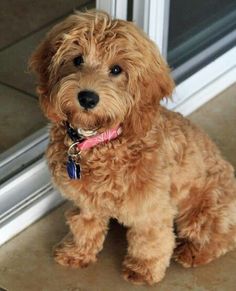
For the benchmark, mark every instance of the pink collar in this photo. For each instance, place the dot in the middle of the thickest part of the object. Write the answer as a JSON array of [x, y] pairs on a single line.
[[91, 142]]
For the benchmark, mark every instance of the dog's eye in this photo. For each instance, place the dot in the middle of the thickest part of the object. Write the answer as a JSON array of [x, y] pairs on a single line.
[[78, 61], [115, 70]]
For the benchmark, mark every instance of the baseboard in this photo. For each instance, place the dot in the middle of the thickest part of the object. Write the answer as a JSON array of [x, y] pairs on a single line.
[[207, 93], [25, 198], [204, 85], [28, 214]]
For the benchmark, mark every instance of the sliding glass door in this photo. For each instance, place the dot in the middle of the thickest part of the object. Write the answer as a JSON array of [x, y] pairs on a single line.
[[26, 192], [199, 32]]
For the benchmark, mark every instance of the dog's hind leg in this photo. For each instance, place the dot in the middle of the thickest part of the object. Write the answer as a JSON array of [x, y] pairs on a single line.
[[150, 246], [149, 254], [206, 224]]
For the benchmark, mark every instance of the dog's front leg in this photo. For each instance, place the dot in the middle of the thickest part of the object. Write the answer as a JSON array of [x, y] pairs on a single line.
[[80, 247], [150, 247]]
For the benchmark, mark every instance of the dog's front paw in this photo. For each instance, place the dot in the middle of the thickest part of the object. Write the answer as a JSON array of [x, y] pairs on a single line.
[[68, 254], [140, 272]]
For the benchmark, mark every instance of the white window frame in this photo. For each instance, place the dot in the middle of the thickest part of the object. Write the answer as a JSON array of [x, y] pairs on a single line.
[[205, 84], [116, 8]]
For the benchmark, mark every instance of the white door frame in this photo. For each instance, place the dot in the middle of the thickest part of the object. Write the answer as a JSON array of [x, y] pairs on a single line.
[[116, 8], [153, 17]]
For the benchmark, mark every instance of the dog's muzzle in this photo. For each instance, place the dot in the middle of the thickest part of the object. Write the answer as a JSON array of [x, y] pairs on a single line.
[[88, 99]]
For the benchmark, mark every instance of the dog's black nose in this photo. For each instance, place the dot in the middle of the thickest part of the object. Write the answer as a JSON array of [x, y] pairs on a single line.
[[88, 99]]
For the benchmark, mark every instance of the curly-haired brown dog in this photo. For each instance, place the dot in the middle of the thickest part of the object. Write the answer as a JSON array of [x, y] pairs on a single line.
[[160, 169]]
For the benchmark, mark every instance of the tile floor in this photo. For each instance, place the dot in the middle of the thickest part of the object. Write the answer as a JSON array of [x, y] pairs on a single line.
[[20, 18], [218, 119], [26, 262], [23, 25], [16, 110]]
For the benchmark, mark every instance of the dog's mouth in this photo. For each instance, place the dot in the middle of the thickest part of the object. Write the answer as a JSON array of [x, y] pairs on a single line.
[[79, 135], [89, 124]]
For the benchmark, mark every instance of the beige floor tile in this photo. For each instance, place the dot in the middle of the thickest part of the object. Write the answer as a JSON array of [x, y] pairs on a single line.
[[27, 264], [21, 17], [20, 116], [14, 62], [14, 59], [218, 119]]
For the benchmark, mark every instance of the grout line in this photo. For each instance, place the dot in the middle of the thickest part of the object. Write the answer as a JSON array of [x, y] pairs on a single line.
[[19, 90], [45, 25]]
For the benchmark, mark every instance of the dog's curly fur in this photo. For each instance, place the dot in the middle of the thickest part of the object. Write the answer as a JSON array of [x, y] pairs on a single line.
[[162, 169]]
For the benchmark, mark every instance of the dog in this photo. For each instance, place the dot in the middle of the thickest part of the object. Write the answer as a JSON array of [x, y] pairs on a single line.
[[117, 153]]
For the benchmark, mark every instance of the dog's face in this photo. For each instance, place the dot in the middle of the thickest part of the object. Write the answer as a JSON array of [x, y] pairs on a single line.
[[96, 72]]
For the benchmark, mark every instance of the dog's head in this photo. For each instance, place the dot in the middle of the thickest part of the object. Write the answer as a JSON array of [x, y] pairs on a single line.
[[95, 72]]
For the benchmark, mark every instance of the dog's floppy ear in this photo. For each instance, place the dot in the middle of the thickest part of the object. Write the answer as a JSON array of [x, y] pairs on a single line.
[[151, 73], [153, 83], [157, 81], [39, 63]]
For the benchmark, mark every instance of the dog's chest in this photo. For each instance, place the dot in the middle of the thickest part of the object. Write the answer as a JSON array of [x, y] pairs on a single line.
[[111, 174], [109, 180], [104, 178]]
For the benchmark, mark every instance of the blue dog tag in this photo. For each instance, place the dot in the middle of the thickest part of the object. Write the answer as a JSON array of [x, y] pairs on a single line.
[[73, 169]]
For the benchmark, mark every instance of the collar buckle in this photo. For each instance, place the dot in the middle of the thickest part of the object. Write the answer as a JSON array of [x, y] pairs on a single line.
[[73, 134]]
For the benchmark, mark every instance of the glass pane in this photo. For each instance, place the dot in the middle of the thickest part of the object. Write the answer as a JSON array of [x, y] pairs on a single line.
[[196, 25], [23, 24]]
